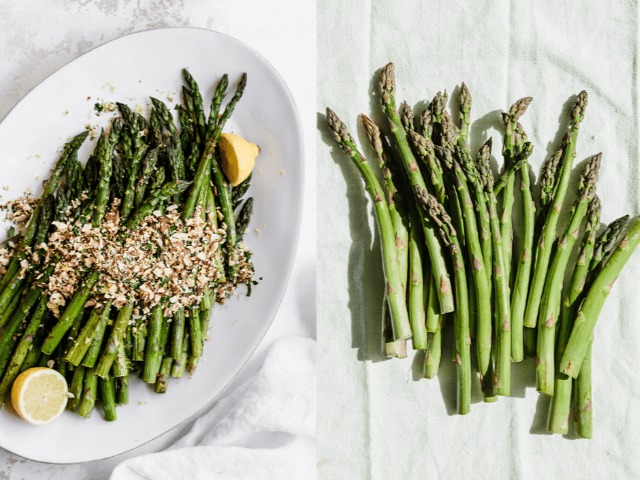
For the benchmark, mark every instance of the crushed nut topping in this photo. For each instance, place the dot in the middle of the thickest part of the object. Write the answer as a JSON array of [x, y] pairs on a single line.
[[164, 260], [19, 211]]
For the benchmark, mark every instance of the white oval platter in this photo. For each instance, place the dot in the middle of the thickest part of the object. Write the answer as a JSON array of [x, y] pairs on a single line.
[[130, 69]]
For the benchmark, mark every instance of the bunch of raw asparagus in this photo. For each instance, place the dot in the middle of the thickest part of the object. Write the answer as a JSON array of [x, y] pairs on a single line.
[[451, 255], [138, 169]]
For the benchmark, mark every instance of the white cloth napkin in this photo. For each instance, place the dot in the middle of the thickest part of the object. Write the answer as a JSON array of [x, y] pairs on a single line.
[[263, 429]]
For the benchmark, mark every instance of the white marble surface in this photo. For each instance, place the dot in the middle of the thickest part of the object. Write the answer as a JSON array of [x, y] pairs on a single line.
[[40, 36]]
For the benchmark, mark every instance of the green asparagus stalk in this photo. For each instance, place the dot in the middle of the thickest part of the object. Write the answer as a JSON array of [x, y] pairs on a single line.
[[153, 353], [561, 402], [548, 233], [550, 308], [216, 103], [91, 356], [509, 152], [224, 198], [104, 151], [502, 309], [164, 373], [244, 216], [238, 192], [156, 199], [464, 99], [461, 317], [416, 294], [196, 341], [89, 393], [83, 341], [397, 304], [74, 307], [392, 348], [196, 105], [179, 367], [116, 337], [210, 148], [523, 269], [479, 276], [147, 167], [437, 262], [177, 334], [583, 406], [397, 211], [121, 364], [122, 390], [587, 315], [11, 308], [77, 382], [434, 350], [108, 396], [23, 347]]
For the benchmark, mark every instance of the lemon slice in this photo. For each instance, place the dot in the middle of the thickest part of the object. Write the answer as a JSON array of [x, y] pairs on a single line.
[[39, 395], [238, 157]]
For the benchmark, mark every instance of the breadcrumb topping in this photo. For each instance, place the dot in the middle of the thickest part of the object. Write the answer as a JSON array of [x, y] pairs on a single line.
[[164, 260]]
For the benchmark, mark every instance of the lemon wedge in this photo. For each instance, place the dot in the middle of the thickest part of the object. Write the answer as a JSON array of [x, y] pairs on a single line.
[[238, 157], [39, 395]]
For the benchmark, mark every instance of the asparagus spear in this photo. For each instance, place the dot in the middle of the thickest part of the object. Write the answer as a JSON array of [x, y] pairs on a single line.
[[26, 342], [437, 262], [196, 106], [502, 310], [89, 393], [104, 152], [153, 352], [583, 405], [550, 308], [464, 99], [91, 356], [475, 260], [461, 317], [108, 396], [416, 294], [77, 382], [237, 193], [406, 117], [83, 341], [216, 102], [244, 216], [509, 152], [110, 351], [561, 401], [587, 315], [210, 147], [397, 305], [156, 199], [434, 350], [403, 241], [523, 270], [74, 307], [548, 233]]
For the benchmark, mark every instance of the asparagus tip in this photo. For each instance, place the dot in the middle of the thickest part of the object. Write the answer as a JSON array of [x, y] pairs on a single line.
[[373, 133], [464, 98], [577, 114], [387, 83], [519, 108]]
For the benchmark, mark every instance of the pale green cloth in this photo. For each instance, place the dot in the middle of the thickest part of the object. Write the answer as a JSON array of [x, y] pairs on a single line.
[[377, 419]]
